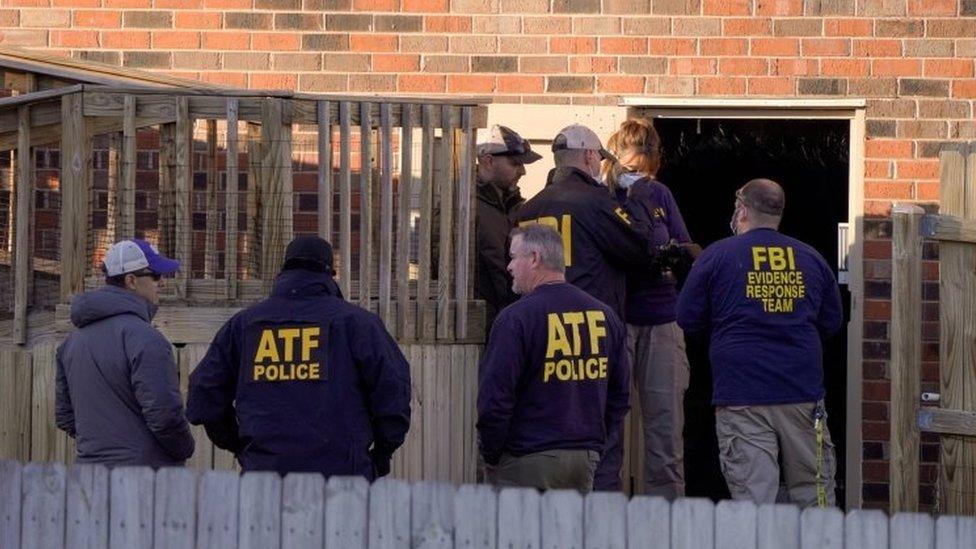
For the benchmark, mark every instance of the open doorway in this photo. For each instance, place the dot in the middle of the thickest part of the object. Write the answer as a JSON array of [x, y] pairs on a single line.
[[706, 160]]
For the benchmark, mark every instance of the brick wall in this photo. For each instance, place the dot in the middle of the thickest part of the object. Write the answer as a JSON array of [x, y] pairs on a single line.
[[912, 59]]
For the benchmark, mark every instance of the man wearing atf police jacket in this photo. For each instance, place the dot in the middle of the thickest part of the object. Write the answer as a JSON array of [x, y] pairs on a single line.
[[600, 239], [304, 381], [767, 300], [554, 379]]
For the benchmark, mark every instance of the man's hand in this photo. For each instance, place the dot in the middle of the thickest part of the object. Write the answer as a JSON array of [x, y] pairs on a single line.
[[381, 463]]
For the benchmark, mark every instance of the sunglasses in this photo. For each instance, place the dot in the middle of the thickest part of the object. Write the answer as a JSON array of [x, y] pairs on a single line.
[[155, 276]]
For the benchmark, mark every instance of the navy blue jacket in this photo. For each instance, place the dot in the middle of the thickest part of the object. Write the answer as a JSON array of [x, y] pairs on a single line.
[[767, 300], [554, 375], [599, 236], [304, 381]]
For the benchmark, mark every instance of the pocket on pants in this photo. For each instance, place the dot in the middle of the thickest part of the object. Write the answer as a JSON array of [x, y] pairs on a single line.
[[732, 463]]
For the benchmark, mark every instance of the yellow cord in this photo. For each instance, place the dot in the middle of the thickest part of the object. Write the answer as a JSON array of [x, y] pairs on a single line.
[[821, 485]]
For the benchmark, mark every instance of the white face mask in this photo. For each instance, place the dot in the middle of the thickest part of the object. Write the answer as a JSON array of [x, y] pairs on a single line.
[[627, 179]]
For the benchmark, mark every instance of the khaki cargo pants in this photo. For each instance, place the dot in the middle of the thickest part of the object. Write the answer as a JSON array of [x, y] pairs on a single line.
[[547, 470], [754, 440]]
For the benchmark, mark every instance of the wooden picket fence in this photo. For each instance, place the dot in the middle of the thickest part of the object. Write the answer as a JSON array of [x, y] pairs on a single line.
[[49, 505]]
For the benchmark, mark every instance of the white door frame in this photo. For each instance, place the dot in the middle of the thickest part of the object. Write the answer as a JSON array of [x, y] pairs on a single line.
[[852, 110]]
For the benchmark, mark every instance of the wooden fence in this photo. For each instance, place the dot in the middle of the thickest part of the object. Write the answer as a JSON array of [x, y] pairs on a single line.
[[954, 418], [47, 505]]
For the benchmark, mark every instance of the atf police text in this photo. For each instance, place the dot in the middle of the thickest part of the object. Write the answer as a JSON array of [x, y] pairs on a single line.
[[570, 356], [285, 354]]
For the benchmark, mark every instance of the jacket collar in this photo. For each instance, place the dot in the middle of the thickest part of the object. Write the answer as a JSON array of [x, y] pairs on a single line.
[[559, 175], [301, 282], [501, 200]]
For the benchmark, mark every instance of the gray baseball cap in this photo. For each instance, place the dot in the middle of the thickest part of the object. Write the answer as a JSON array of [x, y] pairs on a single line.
[[578, 137], [504, 141]]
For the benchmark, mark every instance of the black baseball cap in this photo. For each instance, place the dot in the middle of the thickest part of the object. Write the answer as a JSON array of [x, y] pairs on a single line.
[[309, 252], [504, 141]]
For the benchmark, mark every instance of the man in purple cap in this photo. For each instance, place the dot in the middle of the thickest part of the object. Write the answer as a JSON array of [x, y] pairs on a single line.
[[117, 389]]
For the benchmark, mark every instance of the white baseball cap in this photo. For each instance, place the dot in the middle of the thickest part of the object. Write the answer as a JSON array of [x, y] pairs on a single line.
[[129, 256], [579, 136]]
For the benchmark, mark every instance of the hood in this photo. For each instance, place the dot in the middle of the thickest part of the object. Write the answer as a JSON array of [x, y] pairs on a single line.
[[302, 282], [95, 305]]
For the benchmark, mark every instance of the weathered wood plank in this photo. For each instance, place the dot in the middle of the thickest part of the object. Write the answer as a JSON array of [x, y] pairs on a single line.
[[955, 532], [10, 490], [404, 193], [365, 204], [519, 518], [446, 271], [605, 520], [442, 409], [346, 508], [324, 170], [127, 189], [231, 187], [425, 330], [778, 527], [692, 523], [454, 371], [948, 228], [475, 516], [276, 207], [42, 518], [389, 514], [465, 207], [345, 198], [22, 194], [562, 519], [75, 163], [906, 355], [167, 200], [114, 185], [48, 443], [212, 214], [255, 184], [431, 408], [649, 522], [303, 510], [175, 512], [131, 507], [866, 529], [735, 525], [183, 182], [947, 422], [15, 403], [471, 459], [187, 359], [821, 528], [259, 522], [432, 515], [413, 447], [386, 218], [912, 531], [217, 504], [87, 508]]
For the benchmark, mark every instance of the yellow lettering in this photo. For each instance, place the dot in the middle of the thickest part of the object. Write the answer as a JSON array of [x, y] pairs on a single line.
[[592, 368], [603, 366], [548, 370], [595, 320], [564, 370], [258, 371], [267, 350], [310, 340], [272, 372], [563, 226], [557, 338], [301, 372], [777, 259], [313, 371], [288, 336], [574, 319], [758, 257], [790, 258]]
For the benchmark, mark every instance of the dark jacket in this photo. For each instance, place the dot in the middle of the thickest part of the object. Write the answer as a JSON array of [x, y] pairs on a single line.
[[599, 235], [554, 375], [493, 223], [304, 381], [767, 300], [118, 392]]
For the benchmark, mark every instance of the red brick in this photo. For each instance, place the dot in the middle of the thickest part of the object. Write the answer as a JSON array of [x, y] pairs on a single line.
[[372, 82], [76, 3], [845, 67], [917, 169], [229, 40], [848, 27], [396, 62], [779, 7], [27, 3], [888, 148], [692, 65], [896, 67], [964, 88], [875, 430], [175, 40], [74, 38], [276, 41], [103, 19], [620, 84], [521, 84], [9, 18], [372, 42], [878, 391], [197, 20], [747, 66], [721, 85], [447, 23], [876, 472], [877, 208], [235, 79], [470, 83], [953, 68], [877, 169], [273, 81], [775, 46], [825, 47], [794, 67], [426, 6], [928, 191], [547, 25], [125, 39], [673, 46], [771, 85], [375, 5], [634, 45], [232, 4], [747, 27], [421, 83], [877, 48], [726, 7], [572, 44], [592, 64], [929, 8], [128, 3], [724, 46], [888, 190], [876, 249]]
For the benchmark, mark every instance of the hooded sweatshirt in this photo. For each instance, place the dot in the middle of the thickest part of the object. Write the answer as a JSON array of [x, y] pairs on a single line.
[[117, 387]]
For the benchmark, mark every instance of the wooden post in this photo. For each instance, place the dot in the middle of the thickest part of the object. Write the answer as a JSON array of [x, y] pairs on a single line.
[[324, 170], [386, 217], [365, 204], [254, 188], [167, 211], [425, 329], [465, 151], [213, 217], [906, 355], [25, 189], [405, 308], [345, 198], [113, 177], [75, 161], [126, 227], [445, 271], [276, 207], [231, 188], [957, 334], [181, 194]]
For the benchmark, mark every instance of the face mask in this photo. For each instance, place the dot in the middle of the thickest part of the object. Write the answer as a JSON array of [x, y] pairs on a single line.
[[627, 179], [735, 214]]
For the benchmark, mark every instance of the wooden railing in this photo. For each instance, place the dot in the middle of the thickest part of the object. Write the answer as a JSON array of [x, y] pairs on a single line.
[[47, 505]]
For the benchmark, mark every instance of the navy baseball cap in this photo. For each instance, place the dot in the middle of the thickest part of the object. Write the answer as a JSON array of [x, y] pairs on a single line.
[[309, 252], [129, 256]]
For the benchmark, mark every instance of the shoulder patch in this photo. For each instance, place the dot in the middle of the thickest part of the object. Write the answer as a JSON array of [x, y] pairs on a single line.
[[622, 214]]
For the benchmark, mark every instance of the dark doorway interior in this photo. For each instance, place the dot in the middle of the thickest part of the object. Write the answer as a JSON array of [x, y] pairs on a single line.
[[705, 161]]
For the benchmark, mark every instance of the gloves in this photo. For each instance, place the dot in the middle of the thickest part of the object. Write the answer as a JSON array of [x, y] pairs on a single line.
[[381, 463]]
